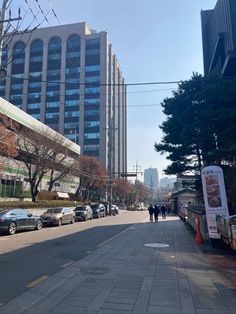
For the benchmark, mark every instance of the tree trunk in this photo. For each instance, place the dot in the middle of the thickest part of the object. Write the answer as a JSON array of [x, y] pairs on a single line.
[[33, 192], [51, 182]]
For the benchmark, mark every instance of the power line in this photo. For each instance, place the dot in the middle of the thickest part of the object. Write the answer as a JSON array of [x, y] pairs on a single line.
[[98, 84]]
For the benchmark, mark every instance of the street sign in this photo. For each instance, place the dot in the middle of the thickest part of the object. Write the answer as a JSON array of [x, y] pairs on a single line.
[[129, 174]]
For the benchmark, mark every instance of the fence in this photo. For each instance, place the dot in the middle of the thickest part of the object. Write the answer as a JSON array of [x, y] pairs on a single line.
[[194, 211]]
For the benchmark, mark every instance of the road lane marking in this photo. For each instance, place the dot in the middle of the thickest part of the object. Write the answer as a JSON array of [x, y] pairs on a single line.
[[37, 281], [67, 264], [117, 235]]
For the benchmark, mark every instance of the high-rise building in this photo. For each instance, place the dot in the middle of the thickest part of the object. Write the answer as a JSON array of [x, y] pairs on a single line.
[[151, 179], [219, 38], [69, 78]]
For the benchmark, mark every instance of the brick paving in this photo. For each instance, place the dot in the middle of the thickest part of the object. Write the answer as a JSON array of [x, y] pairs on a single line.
[[125, 276]]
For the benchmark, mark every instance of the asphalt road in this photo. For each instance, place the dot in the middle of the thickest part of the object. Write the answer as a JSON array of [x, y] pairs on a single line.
[[28, 258]]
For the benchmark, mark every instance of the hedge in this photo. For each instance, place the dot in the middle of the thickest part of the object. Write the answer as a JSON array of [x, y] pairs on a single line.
[[41, 204]]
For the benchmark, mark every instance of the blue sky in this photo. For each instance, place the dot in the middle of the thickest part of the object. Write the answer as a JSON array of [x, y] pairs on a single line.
[[154, 40]]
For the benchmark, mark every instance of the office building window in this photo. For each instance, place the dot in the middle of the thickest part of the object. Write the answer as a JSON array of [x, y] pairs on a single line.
[[52, 104], [35, 115], [33, 105], [35, 76], [91, 135], [53, 86], [18, 61], [72, 114], [72, 87]]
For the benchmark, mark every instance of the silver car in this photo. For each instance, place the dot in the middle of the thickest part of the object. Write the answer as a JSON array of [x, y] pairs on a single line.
[[83, 212], [58, 216]]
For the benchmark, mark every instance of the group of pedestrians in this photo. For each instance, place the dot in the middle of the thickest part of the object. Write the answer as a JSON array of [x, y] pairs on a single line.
[[155, 210]]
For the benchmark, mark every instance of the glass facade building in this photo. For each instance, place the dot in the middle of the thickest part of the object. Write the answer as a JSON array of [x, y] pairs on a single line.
[[69, 78]]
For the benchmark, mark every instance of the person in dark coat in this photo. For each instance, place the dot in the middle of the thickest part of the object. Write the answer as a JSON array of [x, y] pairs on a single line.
[[151, 211], [156, 212], [163, 211]]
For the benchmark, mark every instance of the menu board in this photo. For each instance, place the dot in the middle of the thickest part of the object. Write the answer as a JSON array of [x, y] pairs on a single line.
[[214, 197]]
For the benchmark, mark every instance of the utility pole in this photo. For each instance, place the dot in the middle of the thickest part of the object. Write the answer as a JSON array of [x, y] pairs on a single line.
[[110, 163], [137, 170], [2, 21]]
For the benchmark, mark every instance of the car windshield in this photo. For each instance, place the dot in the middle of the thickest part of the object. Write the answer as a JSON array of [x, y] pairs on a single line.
[[81, 208], [54, 211]]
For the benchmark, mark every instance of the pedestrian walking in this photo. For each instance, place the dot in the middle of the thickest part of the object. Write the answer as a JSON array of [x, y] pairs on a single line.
[[163, 211], [151, 211], [156, 212]]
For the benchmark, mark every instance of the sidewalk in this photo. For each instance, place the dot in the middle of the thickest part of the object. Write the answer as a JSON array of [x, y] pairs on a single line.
[[125, 276]]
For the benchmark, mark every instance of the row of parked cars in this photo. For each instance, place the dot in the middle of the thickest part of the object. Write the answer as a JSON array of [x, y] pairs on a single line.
[[12, 220]]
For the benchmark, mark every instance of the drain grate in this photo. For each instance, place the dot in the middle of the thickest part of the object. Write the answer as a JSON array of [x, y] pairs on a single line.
[[94, 271]]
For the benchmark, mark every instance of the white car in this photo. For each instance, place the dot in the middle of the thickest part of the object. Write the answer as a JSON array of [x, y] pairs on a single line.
[[114, 210]]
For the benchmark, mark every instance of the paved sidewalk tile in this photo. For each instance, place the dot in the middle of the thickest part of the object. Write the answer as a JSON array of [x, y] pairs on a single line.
[[130, 277]]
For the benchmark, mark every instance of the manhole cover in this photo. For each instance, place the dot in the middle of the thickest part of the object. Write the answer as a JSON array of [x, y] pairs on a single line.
[[156, 245], [95, 271]]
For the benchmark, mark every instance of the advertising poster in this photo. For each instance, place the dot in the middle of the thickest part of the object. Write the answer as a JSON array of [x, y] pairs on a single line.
[[214, 197]]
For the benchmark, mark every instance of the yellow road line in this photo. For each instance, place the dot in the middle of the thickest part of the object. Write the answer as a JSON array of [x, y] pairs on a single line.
[[37, 281], [67, 264]]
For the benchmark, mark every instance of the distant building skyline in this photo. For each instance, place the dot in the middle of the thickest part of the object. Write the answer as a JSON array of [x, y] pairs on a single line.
[[151, 179], [167, 182]]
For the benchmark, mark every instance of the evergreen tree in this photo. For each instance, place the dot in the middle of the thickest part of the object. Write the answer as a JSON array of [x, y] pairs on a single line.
[[201, 124]]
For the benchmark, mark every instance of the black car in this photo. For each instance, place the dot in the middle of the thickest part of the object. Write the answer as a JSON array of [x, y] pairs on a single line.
[[99, 210], [12, 220]]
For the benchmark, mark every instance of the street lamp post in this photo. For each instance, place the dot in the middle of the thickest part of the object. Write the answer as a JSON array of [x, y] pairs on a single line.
[[110, 199]]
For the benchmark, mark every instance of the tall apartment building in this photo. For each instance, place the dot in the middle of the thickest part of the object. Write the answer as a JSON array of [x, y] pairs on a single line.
[[151, 179], [219, 38], [69, 78]]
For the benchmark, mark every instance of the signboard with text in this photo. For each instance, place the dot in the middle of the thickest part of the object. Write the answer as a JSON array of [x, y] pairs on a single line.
[[214, 197]]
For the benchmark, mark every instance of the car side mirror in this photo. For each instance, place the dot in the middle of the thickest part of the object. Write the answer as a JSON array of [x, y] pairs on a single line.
[[29, 215]]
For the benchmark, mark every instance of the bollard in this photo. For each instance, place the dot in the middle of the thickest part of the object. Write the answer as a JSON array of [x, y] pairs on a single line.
[[199, 238]]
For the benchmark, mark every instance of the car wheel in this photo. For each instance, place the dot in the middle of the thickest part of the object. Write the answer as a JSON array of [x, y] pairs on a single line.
[[85, 218], [72, 220], [39, 224], [59, 222], [12, 228]]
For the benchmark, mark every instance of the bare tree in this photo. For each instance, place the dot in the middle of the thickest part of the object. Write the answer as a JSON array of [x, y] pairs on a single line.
[[93, 177], [121, 190], [8, 139], [42, 154]]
